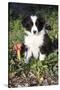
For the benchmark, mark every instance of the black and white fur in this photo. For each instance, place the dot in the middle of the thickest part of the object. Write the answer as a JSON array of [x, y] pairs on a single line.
[[37, 42]]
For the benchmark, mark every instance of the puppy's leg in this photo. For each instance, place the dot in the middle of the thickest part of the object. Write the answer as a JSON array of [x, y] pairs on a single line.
[[41, 56], [28, 54], [36, 53]]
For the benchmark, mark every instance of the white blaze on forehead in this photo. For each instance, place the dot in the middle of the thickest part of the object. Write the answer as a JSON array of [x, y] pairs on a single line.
[[34, 18], [34, 27]]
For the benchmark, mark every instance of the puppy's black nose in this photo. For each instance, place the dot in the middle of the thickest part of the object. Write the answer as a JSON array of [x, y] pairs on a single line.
[[34, 32]]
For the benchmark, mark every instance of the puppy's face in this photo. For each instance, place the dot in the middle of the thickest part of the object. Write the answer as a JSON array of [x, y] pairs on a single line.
[[33, 24]]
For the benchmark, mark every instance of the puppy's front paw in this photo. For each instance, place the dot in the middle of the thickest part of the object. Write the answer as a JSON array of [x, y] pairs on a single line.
[[26, 61], [42, 57]]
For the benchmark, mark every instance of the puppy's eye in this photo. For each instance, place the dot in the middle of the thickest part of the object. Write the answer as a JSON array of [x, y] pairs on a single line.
[[39, 23], [29, 24]]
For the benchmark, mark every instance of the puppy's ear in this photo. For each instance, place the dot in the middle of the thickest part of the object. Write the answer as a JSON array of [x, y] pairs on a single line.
[[24, 21], [48, 27]]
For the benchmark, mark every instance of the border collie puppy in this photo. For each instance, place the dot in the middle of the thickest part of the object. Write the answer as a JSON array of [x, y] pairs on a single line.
[[36, 40]]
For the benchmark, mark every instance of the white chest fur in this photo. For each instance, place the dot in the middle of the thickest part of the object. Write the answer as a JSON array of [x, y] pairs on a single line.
[[33, 42]]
